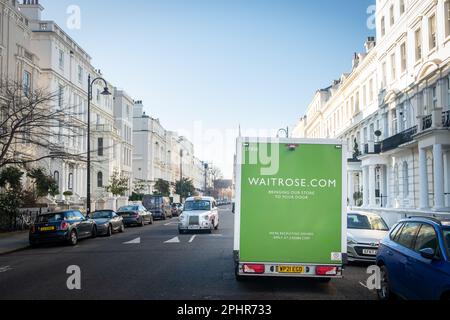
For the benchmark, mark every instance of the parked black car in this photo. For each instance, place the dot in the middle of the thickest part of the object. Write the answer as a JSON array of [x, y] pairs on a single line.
[[107, 222], [66, 226], [158, 205], [135, 216]]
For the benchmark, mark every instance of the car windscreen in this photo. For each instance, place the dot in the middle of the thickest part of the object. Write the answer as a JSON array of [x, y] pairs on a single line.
[[447, 239], [129, 208], [102, 215], [49, 218], [198, 205], [363, 222]]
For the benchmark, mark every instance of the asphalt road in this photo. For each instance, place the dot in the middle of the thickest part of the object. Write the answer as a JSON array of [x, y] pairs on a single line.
[[160, 264]]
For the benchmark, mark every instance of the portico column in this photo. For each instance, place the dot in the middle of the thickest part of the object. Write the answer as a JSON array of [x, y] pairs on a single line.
[[447, 178], [423, 179], [372, 199], [438, 177], [366, 186], [351, 188]]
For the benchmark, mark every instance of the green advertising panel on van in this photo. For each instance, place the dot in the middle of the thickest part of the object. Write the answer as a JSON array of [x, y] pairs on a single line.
[[291, 203]]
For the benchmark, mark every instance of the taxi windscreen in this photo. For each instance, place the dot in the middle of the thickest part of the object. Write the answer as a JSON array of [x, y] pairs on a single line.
[[198, 205]]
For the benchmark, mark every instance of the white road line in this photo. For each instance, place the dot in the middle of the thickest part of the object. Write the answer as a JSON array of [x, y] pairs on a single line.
[[171, 223], [173, 240], [135, 241], [192, 238], [5, 269]]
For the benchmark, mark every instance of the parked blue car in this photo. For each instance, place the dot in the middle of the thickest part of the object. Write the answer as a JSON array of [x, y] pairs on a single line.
[[415, 260]]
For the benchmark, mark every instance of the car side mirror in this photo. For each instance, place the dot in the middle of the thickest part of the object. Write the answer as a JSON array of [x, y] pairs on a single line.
[[428, 253]]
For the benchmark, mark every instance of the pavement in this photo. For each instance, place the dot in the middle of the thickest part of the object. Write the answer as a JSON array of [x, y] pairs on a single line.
[[13, 241], [156, 263]]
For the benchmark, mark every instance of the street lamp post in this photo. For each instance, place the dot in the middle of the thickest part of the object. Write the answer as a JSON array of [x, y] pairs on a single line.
[[286, 131], [181, 165], [206, 166], [105, 93]]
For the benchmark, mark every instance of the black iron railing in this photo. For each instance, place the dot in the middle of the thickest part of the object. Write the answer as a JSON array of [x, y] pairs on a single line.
[[399, 139], [377, 149], [446, 119], [427, 122]]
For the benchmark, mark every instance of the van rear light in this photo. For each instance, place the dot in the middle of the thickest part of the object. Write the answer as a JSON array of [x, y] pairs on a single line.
[[254, 268], [327, 271]]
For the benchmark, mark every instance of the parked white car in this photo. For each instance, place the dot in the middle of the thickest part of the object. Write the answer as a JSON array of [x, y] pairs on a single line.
[[365, 232], [199, 213]]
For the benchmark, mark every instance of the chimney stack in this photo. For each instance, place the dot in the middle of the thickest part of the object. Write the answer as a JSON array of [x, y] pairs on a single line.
[[32, 9], [138, 110], [370, 44]]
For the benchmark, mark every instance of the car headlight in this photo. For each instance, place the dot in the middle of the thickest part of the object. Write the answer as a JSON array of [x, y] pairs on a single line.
[[206, 218], [182, 217]]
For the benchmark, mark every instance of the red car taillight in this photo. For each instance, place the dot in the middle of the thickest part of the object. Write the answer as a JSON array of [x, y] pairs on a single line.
[[64, 226], [254, 268], [33, 229]]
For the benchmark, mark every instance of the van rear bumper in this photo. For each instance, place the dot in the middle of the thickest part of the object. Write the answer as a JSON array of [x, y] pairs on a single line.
[[252, 269]]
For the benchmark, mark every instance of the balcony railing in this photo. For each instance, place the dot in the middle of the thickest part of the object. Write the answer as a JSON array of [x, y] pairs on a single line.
[[107, 128], [446, 119], [427, 122], [399, 139], [376, 149]]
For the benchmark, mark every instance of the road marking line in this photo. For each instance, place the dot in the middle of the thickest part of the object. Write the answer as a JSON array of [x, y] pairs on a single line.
[[5, 269], [171, 223], [173, 240], [192, 238], [135, 241], [362, 284]]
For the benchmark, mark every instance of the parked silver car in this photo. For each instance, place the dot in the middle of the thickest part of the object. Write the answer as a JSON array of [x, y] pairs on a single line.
[[107, 222], [365, 232]]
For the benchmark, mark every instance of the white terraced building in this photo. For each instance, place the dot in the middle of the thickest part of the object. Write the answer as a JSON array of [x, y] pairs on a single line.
[[392, 109], [162, 154], [64, 68]]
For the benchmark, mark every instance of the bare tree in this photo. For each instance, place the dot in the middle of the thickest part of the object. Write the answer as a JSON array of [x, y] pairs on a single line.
[[36, 125]]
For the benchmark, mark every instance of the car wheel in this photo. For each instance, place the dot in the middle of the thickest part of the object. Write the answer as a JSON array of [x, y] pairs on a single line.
[[216, 227], [142, 222], [163, 217], [122, 228], [109, 232], [384, 293], [73, 238], [151, 220], [94, 232]]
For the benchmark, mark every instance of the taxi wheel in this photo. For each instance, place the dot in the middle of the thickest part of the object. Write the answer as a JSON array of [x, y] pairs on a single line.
[[142, 222], [151, 220], [122, 228]]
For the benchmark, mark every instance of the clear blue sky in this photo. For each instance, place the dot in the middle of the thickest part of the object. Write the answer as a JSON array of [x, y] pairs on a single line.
[[224, 62]]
